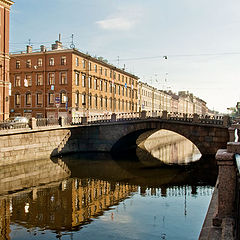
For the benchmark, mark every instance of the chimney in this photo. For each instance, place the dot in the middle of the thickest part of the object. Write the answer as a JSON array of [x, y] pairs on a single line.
[[43, 48], [57, 45], [29, 49]]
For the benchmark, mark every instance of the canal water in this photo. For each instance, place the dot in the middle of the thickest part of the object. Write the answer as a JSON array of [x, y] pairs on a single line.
[[162, 192]]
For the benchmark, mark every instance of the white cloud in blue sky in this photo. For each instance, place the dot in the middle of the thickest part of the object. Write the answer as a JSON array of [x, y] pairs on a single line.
[[200, 38], [122, 19]]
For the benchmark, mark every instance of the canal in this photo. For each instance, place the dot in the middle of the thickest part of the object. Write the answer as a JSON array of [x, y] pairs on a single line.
[[160, 191]]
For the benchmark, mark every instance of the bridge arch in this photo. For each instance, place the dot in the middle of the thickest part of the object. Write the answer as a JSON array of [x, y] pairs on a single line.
[[208, 139]]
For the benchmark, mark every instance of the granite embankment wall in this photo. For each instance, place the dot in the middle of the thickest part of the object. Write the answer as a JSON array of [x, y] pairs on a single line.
[[24, 145]]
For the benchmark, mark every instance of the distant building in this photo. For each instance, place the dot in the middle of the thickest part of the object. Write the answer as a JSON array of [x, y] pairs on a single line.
[[4, 58], [153, 100], [68, 83]]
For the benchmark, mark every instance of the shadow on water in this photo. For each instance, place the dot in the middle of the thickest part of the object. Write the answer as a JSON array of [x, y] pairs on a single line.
[[132, 170]]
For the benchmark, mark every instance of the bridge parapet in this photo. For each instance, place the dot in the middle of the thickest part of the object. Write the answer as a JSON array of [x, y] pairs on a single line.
[[133, 116], [227, 215]]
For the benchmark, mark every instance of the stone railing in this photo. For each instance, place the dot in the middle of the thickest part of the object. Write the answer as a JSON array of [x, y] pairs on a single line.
[[227, 216], [133, 116]]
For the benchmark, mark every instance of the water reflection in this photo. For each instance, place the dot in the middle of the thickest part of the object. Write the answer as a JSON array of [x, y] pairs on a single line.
[[168, 147], [93, 196]]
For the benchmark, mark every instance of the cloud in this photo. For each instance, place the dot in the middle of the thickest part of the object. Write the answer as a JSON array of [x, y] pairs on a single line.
[[116, 24], [123, 19]]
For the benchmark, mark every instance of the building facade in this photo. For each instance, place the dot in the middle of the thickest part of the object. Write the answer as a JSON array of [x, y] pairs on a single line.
[[68, 83], [5, 87], [153, 100]]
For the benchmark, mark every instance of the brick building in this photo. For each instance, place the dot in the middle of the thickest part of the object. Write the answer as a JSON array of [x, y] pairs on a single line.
[[66, 82], [4, 58]]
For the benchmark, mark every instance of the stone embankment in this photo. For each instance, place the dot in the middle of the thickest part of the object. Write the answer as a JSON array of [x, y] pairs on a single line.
[[222, 220]]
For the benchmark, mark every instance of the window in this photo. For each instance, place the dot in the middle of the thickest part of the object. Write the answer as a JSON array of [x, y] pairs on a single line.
[[29, 63], [101, 102], [114, 75], [106, 102], [95, 83], [119, 90], [90, 66], [90, 100], [96, 101], [106, 72], [17, 99], [105, 86], [63, 60], [110, 73], [77, 98], [51, 61], [29, 80], [95, 68], [84, 80], [119, 77], [110, 87], [84, 63], [63, 78], [90, 82], [83, 99], [119, 105], [63, 97], [110, 103], [77, 61], [28, 98], [123, 105], [76, 78], [39, 62], [122, 78], [51, 98], [100, 85], [123, 91], [18, 64], [39, 97], [17, 81], [51, 78], [101, 70]]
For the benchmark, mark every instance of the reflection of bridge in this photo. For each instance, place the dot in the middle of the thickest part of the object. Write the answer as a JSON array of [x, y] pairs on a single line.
[[117, 134]]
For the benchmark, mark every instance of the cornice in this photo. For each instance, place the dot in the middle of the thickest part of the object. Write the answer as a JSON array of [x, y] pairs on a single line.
[[6, 3]]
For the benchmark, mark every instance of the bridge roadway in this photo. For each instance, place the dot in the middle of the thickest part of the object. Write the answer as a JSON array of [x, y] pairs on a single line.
[[118, 134]]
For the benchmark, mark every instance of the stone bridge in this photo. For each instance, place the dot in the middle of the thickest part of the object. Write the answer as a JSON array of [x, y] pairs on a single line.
[[118, 134]]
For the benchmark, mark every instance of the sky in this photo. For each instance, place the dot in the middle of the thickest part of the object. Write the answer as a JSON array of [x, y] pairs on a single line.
[[200, 38]]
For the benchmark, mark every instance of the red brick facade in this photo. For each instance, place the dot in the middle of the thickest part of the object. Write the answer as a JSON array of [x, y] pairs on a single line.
[[68, 83]]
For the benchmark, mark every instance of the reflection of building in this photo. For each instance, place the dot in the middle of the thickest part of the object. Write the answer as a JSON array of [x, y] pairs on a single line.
[[67, 82], [69, 204], [4, 219], [171, 147], [4, 58], [92, 197]]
